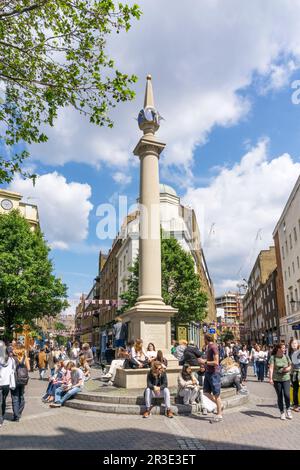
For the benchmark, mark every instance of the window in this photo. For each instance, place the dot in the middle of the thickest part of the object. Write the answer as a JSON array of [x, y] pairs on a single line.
[[298, 262], [282, 251], [286, 247], [293, 266], [295, 234], [285, 275], [290, 238], [289, 269]]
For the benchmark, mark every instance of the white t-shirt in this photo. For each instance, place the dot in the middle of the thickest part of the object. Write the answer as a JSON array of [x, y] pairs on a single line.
[[6, 371], [151, 354], [244, 357]]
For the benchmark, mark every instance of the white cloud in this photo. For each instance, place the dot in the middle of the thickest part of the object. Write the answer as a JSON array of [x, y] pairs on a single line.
[[122, 178], [200, 56], [239, 209], [63, 207]]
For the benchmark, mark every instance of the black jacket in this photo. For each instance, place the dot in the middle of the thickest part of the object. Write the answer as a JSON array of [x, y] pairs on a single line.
[[160, 381], [190, 356]]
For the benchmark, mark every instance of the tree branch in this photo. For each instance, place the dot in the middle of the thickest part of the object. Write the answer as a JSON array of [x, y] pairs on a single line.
[[17, 12]]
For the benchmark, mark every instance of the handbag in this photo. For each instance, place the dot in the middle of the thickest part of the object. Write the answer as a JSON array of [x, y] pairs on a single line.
[[12, 380]]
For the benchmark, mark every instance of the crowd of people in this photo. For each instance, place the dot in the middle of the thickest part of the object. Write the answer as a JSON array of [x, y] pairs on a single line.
[[204, 372], [68, 369]]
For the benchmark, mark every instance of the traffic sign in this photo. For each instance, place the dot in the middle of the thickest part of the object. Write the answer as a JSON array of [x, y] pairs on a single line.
[[212, 331]]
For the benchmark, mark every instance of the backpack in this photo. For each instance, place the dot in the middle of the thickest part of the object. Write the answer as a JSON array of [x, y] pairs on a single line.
[[22, 375]]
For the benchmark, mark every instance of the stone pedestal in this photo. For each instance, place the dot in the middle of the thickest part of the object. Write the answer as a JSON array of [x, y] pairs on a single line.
[[152, 324]]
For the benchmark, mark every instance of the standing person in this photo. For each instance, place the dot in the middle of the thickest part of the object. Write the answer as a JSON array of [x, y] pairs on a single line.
[[212, 379], [188, 386], [228, 350], [31, 357], [120, 333], [261, 357], [294, 355], [221, 351], [279, 376], [42, 363], [7, 377], [244, 361], [235, 351], [63, 356], [157, 387], [51, 359], [174, 346], [74, 352], [94, 351], [253, 357], [22, 368], [192, 354], [180, 351], [88, 354]]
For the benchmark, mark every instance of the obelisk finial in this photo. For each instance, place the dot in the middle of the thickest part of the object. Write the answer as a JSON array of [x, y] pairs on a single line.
[[149, 117], [149, 99]]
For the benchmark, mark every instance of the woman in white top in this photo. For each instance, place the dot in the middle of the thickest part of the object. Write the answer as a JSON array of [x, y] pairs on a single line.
[[151, 353], [7, 377], [259, 357], [74, 353], [139, 355], [244, 361], [188, 386]]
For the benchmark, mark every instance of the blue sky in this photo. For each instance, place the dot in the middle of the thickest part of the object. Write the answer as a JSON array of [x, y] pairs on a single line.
[[232, 134]]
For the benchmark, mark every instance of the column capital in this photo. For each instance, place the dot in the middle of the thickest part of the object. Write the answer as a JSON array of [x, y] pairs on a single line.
[[146, 144]]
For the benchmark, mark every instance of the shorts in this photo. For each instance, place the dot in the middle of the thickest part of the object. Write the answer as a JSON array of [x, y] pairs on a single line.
[[212, 383]]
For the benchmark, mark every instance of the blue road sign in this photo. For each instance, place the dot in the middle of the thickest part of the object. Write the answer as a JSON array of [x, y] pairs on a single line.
[[295, 327], [212, 331]]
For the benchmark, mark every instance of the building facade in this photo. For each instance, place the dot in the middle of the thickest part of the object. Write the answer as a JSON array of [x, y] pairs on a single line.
[[253, 309], [287, 244], [232, 304], [10, 200], [270, 308]]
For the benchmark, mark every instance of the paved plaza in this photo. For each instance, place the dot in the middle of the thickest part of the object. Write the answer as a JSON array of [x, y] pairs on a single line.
[[255, 426]]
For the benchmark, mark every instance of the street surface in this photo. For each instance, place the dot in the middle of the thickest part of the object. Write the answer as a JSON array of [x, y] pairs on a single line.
[[254, 426]]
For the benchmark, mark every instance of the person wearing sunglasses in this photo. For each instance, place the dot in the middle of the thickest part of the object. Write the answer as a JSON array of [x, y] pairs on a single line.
[[157, 387]]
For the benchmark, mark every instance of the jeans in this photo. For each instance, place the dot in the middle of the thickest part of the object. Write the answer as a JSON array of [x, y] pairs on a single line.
[[115, 364], [18, 400], [61, 395], [4, 391], [244, 368], [295, 384], [260, 367], [283, 391], [254, 368], [149, 394], [189, 395]]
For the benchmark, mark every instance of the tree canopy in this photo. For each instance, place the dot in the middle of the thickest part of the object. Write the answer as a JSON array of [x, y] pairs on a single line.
[[53, 55], [28, 287], [180, 283]]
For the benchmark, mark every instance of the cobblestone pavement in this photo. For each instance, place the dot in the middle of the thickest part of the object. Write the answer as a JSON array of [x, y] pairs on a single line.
[[255, 426]]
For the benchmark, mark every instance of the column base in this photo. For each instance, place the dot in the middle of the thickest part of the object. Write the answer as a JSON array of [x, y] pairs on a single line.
[[152, 324]]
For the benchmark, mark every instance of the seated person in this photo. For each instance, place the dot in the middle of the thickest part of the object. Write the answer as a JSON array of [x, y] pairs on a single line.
[[157, 387], [160, 357], [201, 374], [231, 375], [118, 363], [84, 366], [188, 386], [139, 357], [66, 391], [191, 355], [61, 375], [151, 353]]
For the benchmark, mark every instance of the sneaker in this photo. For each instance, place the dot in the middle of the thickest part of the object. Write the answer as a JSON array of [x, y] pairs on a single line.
[[243, 392], [204, 411], [289, 414], [282, 416], [107, 376], [55, 405], [216, 419], [170, 414], [110, 383], [296, 408], [146, 414]]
